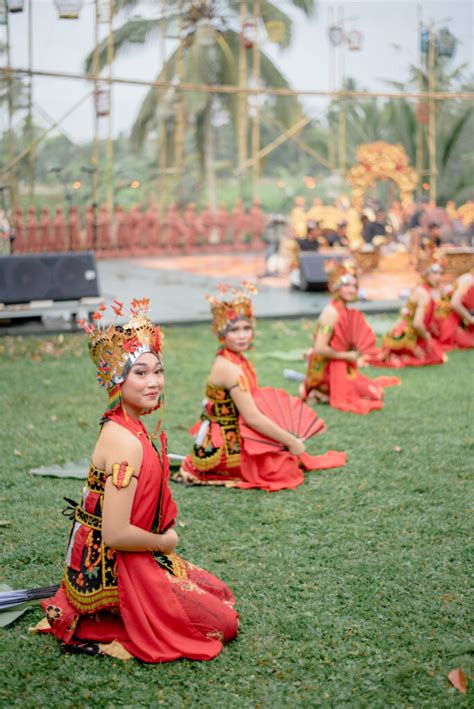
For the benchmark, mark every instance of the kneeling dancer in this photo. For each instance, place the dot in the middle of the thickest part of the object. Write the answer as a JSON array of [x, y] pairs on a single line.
[[343, 342], [412, 340], [239, 442], [454, 315], [125, 592]]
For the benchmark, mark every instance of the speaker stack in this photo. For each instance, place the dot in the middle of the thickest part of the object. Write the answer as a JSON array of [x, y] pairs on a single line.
[[31, 280], [313, 276]]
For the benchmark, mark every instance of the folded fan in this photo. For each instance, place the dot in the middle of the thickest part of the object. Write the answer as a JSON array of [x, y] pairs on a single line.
[[288, 412], [11, 599]]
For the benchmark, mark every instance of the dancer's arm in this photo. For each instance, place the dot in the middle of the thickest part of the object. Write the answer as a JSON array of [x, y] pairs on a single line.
[[229, 376], [462, 286], [327, 322], [421, 298], [115, 447]]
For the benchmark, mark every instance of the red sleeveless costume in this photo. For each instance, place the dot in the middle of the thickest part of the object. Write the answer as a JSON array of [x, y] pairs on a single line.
[[222, 457], [403, 346], [158, 607], [452, 332], [346, 387]]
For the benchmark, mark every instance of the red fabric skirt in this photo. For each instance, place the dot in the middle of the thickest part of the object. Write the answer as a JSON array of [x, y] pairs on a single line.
[[160, 616], [453, 335], [349, 390]]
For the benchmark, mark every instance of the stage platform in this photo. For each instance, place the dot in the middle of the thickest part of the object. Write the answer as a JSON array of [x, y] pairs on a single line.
[[177, 286]]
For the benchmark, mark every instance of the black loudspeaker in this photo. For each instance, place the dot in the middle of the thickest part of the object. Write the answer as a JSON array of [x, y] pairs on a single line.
[[313, 277], [61, 276]]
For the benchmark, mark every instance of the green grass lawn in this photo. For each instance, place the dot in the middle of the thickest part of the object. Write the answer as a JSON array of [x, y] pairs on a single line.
[[354, 590]]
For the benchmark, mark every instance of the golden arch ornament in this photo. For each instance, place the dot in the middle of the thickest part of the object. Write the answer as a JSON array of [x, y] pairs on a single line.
[[381, 161]]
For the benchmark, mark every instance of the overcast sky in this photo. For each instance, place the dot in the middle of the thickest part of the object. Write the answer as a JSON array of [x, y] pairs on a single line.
[[389, 30]]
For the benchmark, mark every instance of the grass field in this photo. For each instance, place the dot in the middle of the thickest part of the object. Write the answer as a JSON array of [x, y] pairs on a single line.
[[354, 590]]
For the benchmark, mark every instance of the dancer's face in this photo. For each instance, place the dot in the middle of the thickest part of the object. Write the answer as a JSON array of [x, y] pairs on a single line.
[[348, 289], [434, 279], [238, 336], [144, 383]]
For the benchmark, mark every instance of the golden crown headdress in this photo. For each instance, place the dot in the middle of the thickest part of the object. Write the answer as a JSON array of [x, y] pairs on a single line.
[[229, 310], [338, 273], [114, 349]]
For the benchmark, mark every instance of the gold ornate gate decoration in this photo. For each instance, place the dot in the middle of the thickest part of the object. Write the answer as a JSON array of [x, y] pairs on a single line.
[[381, 161]]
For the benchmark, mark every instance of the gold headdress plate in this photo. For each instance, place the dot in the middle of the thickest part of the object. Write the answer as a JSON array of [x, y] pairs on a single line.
[[115, 348], [229, 310], [338, 271]]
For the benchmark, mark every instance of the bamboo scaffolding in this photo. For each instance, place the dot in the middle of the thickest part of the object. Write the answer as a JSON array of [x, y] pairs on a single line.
[[432, 115], [109, 162], [95, 143], [10, 135], [419, 128], [243, 97], [251, 91], [256, 107], [29, 121], [292, 130], [180, 116], [301, 144]]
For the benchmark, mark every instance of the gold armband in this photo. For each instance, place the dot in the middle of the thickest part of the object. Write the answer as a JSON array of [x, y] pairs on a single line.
[[326, 329], [121, 474], [243, 383]]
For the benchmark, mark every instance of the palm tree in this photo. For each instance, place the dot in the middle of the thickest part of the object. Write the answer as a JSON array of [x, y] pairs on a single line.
[[208, 37], [454, 128]]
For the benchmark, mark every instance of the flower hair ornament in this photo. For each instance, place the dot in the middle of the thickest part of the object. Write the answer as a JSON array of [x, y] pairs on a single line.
[[339, 273], [114, 349], [237, 305]]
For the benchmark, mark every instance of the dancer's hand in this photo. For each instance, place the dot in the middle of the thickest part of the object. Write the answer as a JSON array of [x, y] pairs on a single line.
[[351, 357], [168, 541], [362, 360], [296, 447]]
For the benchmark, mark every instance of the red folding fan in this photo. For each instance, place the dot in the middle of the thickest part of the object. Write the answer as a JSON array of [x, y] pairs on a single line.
[[352, 332], [289, 412]]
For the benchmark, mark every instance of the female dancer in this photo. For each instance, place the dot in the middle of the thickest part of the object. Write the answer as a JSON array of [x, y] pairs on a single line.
[[221, 455], [341, 338], [125, 592], [454, 315], [410, 343]]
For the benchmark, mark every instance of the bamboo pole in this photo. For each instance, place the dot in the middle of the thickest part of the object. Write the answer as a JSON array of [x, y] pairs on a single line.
[[249, 90], [342, 106], [292, 130], [162, 157], [110, 145], [256, 107], [331, 84], [419, 126], [45, 133], [243, 100], [301, 144], [30, 128], [95, 143], [10, 136], [432, 116], [180, 117]]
